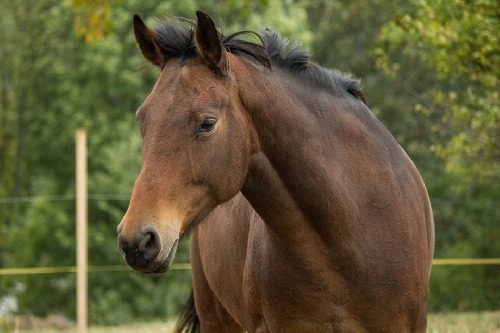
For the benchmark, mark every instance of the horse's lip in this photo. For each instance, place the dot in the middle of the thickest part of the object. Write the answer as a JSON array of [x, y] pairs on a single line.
[[165, 265]]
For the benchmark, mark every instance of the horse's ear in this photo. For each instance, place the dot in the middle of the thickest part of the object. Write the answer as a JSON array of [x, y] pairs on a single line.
[[209, 44], [146, 39]]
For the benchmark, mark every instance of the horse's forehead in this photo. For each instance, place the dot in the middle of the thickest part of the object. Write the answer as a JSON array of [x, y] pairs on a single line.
[[198, 81], [190, 74], [188, 84]]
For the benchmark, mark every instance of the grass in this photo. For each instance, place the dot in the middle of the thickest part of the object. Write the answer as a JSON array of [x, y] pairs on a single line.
[[159, 327], [469, 322]]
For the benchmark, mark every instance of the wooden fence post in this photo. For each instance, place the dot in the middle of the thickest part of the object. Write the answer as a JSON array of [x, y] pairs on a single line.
[[81, 231]]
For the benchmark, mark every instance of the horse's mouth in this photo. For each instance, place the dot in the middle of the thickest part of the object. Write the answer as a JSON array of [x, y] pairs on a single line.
[[157, 267], [167, 262]]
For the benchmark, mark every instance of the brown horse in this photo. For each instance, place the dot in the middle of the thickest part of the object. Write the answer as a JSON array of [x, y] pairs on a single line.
[[314, 218]]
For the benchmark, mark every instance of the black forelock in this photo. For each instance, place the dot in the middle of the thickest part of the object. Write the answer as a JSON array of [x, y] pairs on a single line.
[[176, 40]]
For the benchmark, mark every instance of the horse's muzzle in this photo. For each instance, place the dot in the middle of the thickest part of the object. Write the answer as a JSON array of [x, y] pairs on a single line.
[[144, 251]]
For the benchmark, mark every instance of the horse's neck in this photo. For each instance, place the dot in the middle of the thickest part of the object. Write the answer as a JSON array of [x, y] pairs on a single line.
[[290, 184]]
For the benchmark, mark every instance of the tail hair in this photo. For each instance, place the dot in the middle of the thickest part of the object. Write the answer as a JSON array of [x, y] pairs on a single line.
[[188, 321]]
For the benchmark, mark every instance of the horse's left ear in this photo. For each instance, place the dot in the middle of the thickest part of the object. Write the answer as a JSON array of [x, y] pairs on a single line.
[[209, 44]]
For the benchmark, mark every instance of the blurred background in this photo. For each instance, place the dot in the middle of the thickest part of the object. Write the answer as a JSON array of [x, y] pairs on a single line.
[[429, 70]]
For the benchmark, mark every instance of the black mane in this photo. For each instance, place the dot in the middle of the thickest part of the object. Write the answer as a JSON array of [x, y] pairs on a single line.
[[176, 39]]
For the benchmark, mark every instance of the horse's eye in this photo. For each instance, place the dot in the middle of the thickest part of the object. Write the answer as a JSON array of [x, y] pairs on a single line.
[[206, 125]]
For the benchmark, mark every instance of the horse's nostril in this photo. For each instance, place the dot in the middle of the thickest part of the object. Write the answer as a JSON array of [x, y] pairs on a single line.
[[140, 251], [149, 244]]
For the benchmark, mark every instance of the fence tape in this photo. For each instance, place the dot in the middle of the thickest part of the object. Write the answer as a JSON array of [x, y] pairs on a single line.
[[187, 266], [72, 269], [466, 261]]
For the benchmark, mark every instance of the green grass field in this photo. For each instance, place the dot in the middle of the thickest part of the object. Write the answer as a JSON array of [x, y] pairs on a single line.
[[474, 322], [481, 322]]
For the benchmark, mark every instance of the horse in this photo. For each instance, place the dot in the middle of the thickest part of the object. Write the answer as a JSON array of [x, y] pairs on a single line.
[[304, 213]]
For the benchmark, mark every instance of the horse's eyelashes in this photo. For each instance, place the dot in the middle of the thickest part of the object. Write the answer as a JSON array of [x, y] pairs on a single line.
[[206, 125]]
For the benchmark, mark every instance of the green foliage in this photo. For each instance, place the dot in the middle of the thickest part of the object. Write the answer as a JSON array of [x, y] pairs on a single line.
[[57, 84], [459, 41], [93, 20]]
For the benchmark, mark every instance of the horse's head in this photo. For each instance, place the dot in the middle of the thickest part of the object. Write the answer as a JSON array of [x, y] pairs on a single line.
[[196, 146]]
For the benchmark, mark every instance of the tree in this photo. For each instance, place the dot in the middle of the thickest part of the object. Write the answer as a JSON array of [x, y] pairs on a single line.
[[92, 21], [22, 113], [459, 41]]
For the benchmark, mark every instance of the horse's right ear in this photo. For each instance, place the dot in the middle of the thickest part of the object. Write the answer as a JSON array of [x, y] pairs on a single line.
[[146, 39]]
